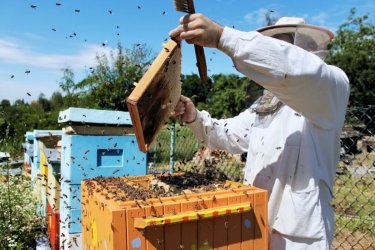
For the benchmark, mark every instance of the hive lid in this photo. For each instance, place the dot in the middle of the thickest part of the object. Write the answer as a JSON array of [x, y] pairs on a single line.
[[95, 116], [29, 136], [47, 133], [156, 95], [4, 155]]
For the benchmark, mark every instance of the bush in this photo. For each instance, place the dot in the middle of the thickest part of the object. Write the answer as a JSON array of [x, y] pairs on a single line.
[[18, 221]]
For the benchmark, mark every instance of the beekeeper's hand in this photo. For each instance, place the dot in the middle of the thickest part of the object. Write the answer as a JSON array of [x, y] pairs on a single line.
[[198, 29], [185, 110]]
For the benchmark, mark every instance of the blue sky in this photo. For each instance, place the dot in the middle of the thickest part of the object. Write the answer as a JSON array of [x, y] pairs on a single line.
[[27, 41]]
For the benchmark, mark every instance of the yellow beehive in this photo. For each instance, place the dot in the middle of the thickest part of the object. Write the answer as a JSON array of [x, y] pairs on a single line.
[[53, 188], [234, 218]]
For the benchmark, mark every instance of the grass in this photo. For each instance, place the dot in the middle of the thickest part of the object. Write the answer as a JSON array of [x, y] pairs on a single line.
[[354, 204]]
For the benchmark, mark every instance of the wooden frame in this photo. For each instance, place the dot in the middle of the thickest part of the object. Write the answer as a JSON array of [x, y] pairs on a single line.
[[156, 95]]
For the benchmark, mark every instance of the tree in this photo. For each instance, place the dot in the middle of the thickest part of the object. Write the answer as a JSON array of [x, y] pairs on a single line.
[[193, 87], [112, 80], [353, 50], [56, 101], [230, 94], [44, 102], [67, 85]]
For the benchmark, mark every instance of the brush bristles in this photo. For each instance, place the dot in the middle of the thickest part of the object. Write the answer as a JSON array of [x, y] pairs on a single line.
[[186, 6]]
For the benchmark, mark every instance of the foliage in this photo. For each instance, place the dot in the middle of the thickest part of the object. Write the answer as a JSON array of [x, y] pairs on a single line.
[[223, 95], [353, 50], [18, 221], [197, 91], [112, 80], [230, 95]]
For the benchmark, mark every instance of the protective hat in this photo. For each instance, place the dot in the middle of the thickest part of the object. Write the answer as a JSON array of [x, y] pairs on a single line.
[[309, 37]]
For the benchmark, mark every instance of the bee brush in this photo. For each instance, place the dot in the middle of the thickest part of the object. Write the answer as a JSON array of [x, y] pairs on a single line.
[[187, 6]]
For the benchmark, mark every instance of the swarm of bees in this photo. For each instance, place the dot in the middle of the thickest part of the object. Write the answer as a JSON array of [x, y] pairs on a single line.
[[163, 185]]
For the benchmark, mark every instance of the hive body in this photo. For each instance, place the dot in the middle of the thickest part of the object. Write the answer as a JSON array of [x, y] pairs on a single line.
[[230, 218]]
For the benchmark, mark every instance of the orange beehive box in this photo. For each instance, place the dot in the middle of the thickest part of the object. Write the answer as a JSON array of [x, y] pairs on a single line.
[[231, 218], [53, 226]]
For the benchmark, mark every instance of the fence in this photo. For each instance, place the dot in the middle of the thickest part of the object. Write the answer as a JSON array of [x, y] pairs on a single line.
[[354, 199]]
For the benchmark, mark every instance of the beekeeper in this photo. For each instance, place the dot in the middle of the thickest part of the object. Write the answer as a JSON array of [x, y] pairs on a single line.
[[292, 133]]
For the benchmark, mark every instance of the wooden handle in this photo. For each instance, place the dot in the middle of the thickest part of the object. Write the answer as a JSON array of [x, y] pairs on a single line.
[[142, 223], [201, 63]]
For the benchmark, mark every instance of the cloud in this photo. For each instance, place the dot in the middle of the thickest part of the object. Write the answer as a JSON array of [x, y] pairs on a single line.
[[256, 17], [33, 36], [16, 53], [320, 18]]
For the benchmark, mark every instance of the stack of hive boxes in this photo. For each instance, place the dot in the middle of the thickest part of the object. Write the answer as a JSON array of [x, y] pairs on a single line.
[[94, 143], [53, 194], [28, 147], [43, 140]]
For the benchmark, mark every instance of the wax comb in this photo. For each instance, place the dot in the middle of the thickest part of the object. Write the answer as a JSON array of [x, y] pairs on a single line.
[[187, 6]]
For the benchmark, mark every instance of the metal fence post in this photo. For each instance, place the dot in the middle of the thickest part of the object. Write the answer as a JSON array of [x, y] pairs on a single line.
[[171, 154]]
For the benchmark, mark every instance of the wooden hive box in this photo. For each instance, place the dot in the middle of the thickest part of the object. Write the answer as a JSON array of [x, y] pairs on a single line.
[[233, 218], [53, 178], [156, 95], [53, 227]]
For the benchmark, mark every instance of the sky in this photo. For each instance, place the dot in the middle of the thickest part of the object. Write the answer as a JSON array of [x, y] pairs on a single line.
[[37, 42]]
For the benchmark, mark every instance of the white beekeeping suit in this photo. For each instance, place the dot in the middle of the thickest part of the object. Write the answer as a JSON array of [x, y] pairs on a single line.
[[291, 134]]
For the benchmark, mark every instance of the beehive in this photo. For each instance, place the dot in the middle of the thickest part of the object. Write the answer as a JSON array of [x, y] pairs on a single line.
[[94, 143], [231, 218], [51, 136], [53, 178], [71, 241], [43, 140], [28, 151], [53, 226]]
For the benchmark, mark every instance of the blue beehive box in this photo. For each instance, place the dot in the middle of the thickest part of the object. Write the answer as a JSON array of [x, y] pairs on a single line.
[[28, 150], [42, 139], [94, 143], [38, 135]]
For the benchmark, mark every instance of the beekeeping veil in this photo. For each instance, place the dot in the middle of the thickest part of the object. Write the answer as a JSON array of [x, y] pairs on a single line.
[[294, 30]]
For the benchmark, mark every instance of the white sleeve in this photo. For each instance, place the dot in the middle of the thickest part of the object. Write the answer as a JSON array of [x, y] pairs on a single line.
[[298, 78], [227, 134]]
